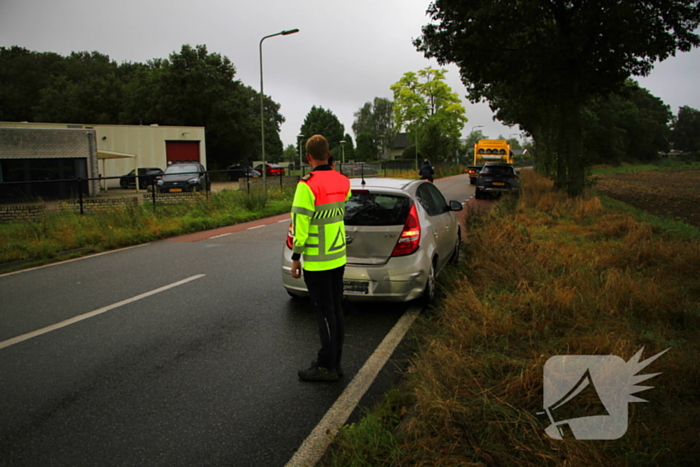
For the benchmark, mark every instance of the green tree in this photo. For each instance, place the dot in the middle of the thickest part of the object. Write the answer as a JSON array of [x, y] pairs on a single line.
[[377, 119], [630, 125], [320, 121], [686, 130], [86, 89], [290, 153], [348, 148], [553, 58], [366, 148], [23, 74], [426, 106], [197, 88]]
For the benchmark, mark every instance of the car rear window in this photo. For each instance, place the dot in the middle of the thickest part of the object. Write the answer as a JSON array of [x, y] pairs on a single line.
[[376, 209], [498, 170]]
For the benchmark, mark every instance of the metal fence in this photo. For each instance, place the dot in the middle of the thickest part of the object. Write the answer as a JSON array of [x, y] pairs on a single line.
[[74, 194]]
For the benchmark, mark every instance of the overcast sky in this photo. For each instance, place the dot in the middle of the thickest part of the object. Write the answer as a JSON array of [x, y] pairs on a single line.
[[346, 53]]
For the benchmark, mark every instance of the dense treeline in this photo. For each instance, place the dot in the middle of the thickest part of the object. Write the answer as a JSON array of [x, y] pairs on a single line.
[[191, 88], [547, 66]]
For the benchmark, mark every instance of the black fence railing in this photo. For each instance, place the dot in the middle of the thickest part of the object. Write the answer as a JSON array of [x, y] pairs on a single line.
[[157, 188]]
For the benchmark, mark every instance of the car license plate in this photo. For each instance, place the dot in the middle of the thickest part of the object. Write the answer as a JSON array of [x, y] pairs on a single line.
[[498, 183], [175, 190], [356, 287]]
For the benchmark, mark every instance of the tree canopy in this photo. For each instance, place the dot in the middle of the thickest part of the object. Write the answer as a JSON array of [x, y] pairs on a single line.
[[320, 121], [191, 88], [426, 106], [539, 64], [686, 130], [377, 119]]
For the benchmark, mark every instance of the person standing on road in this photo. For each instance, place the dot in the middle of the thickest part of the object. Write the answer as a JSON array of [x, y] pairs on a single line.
[[319, 238]]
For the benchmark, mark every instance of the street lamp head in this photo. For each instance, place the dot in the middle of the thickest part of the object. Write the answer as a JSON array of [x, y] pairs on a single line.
[[290, 31], [300, 136], [342, 142]]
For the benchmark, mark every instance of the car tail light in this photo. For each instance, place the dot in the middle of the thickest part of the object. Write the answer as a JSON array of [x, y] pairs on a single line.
[[410, 235], [290, 237]]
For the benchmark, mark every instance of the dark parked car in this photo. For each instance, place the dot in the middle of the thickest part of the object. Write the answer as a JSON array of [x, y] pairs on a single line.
[[147, 176], [273, 170], [241, 171], [496, 178], [190, 176]]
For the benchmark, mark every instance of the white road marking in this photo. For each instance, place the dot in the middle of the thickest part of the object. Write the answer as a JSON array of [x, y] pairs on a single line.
[[222, 235], [256, 227], [76, 319], [283, 220], [73, 259], [313, 448]]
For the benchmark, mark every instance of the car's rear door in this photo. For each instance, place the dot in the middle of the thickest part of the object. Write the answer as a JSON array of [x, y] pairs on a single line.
[[441, 219]]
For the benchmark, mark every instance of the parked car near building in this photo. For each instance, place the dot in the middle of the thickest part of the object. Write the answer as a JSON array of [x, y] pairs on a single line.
[[273, 170], [147, 176], [179, 177], [236, 172], [496, 178], [399, 234]]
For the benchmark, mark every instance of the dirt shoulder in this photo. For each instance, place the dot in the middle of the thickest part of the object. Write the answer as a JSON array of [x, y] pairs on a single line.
[[668, 193]]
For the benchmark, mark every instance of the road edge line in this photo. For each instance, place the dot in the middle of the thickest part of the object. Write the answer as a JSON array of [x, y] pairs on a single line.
[[315, 445]]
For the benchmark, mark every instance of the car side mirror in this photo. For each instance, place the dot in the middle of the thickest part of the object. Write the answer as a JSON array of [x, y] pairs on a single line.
[[455, 206]]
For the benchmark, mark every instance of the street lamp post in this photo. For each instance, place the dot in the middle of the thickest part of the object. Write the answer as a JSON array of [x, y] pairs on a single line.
[[300, 138], [262, 98], [342, 149]]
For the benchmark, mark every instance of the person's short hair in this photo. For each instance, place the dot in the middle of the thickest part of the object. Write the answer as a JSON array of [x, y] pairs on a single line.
[[317, 147]]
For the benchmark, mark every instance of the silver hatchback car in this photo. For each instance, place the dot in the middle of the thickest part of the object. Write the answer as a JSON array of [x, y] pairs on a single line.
[[399, 234]]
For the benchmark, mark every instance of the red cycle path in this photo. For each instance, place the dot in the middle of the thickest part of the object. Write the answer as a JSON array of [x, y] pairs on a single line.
[[197, 236]]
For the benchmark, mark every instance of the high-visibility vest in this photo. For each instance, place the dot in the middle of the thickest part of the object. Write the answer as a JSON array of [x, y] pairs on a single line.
[[317, 219]]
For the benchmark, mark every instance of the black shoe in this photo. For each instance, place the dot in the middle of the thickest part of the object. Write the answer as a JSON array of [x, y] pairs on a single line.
[[338, 369], [318, 373]]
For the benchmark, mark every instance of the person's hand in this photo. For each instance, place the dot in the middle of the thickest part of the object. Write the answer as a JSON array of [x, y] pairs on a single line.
[[296, 269]]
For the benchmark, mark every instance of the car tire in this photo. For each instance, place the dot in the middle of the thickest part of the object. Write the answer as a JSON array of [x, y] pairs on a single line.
[[472, 181], [430, 286], [477, 194]]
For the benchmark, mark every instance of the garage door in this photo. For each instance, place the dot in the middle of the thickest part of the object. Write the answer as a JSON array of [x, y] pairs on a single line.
[[178, 151]]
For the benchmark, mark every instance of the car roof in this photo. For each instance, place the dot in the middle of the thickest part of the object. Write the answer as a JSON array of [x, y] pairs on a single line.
[[500, 164], [391, 183]]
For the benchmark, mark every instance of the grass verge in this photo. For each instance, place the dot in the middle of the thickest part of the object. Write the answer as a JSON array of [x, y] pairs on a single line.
[[545, 276], [64, 234]]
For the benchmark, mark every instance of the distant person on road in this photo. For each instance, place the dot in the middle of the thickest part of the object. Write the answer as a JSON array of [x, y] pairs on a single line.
[[426, 171], [319, 238]]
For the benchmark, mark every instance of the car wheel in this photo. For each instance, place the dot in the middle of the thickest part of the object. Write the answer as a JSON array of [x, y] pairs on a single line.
[[477, 194], [458, 244], [430, 286], [472, 181]]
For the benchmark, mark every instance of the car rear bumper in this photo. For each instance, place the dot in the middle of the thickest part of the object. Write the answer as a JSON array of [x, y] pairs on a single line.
[[402, 279]]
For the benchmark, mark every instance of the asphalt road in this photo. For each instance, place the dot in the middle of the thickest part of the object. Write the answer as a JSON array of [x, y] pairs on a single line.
[[176, 353]]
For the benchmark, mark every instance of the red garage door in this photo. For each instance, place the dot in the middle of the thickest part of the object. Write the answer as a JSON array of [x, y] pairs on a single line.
[[177, 151]]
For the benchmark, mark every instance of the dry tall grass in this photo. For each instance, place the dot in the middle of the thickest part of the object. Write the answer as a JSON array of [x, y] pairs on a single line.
[[546, 276]]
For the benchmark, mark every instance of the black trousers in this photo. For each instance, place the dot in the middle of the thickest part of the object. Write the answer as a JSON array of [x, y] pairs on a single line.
[[326, 293]]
